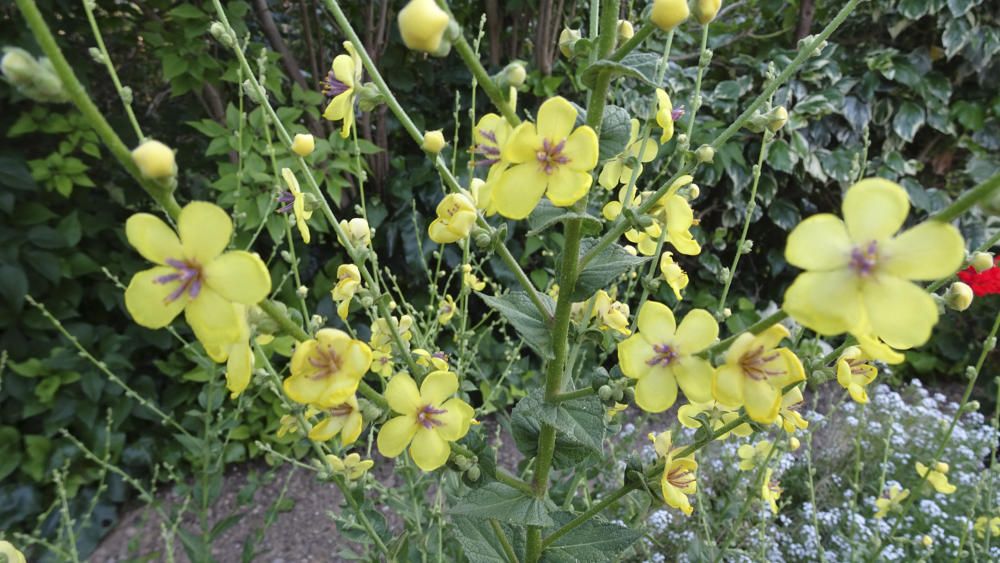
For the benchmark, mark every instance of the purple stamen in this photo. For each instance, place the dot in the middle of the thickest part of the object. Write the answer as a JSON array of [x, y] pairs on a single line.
[[188, 274], [550, 156], [440, 356], [665, 355], [491, 151], [753, 364], [426, 416], [333, 87], [863, 261], [288, 199], [489, 135], [677, 113]]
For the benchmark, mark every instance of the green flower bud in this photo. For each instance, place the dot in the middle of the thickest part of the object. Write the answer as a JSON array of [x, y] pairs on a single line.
[[625, 30], [513, 75], [959, 296], [705, 154], [567, 39], [982, 261], [777, 118], [474, 473], [605, 393]]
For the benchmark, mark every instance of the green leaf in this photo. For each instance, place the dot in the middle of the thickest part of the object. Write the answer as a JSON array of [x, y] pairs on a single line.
[[37, 447], [616, 127], [970, 115], [505, 503], [640, 66], [516, 307], [784, 214], [13, 285], [909, 119], [15, 175], [10, 452], [479, 541], [546, 214], [604, 268], [594, 540], [780, 156], [580, 423]]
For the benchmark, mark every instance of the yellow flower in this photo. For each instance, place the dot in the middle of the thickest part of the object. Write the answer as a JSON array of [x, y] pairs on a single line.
[[446, 310], [429, 419], [341, 86], [348, 284], [352, 466], [617, 171], [718, 415], [193, 273], [875, 348], [326, 370], [854, 373], [676, 278], [381, 336], [858, 273], [470, 280], [937, 477], [297, 205], [482, 193], [661, 356], [422, 25], [551, 158], [612, 314], [927, 541], [984, 525], [667, 14], [289, 424], [358, 232], [771, 491], [755, 373], [456, 216], [675, 212], [890, 500], [303, 144], [664, 115], [437, 360], [678, 480], [382, 363], [791, 420], [155, 160], [752, 456], [344, 419], [10, 553], [237, 354], [613, 411], [706, 10], [433, 141]]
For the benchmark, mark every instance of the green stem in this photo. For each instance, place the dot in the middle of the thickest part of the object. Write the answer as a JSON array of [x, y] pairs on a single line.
[[982, 248], [504, 542], [88, 7], [756, 328], [485, 81], [519, 484], [164, 197], [645, 31], [570, 395], [968, 199], [703, 61], [289, 326]]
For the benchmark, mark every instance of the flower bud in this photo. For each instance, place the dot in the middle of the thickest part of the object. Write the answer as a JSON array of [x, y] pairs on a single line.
[[793, 443], [605, 392], [474, 473], [222, 35], [705, 154], [567, 39], [777, 118], [36, 79], [422, 25], [927, 541], [706, 10], [96, 55], [667, 14], [302, 292], [433, 141], [155, 160], [625, 30], [358, 232], [303, 144], [126, 95], [369, 97], [18, 65], [982, 261], [959, 296], [514, 75]]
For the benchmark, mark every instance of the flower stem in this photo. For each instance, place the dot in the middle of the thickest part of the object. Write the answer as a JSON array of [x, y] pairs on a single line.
[[968, 199], [703, 60], [484, 80], [645, 31], [88, 7]]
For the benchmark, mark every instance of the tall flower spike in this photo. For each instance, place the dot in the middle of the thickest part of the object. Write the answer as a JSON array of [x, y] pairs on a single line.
[[551, 159], [858, 271], [193, 273]]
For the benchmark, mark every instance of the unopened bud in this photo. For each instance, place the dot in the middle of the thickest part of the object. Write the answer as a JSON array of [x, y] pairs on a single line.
[[667, 14], [777, 118], [982, 261], [474, 473], [96, 55], [959, 296], [567, 39], [155, 160], [35, 79], [303, 144], [222, 35], [625, 30], [513, 75], [706, 10], [433, 141], [126, 95], [302, 292], [605, 393], [793, 443], [422, 24], [705, 154]]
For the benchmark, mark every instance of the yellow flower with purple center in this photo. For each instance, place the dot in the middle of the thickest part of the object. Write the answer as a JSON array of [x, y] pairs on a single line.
[[612, 314], [429, 418], [552, 158], [789, 416], [193, 273], [343, 419], [617, 170], [351, 466], [859, 271], [446, 310], [340, 87], [662, 356], [854, 373], [348, 284], [295, 201], [937, 477], [755, 373], [890, 500], [438, 360], [679, 474], [717, 415], [326, 370], [456, 216]]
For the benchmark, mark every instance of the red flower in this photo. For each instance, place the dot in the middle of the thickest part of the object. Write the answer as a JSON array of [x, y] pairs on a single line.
[[982, 283]]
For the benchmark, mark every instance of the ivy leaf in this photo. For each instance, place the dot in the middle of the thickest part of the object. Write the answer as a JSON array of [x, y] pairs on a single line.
[[505, 503], [781, 157], [784, 214], [604, 268], [909, 119], [616, 127], [516, 307], [594, 540], [546, 214]]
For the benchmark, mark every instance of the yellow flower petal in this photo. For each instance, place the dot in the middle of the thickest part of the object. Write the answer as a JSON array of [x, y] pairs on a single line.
[[343, 69], [874, 209], [566, 186], [212, 317], [238, 368], [928, 251], [819, 243], [352, 428], [900, 312], [657, 390], [609, 179], [761, 400], [827, 302], [697, 331], [727, 386], [656, 322], [519, 190], [340, 106], [396, 434], [694, 375], [437, 387], [402, 394], [239, 276], [429, 450], [456, 419], [634, 353], [581, 148], [523, 144], [153, 238], [146, 300], [556, 118], [205, 230], [327, 428]]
